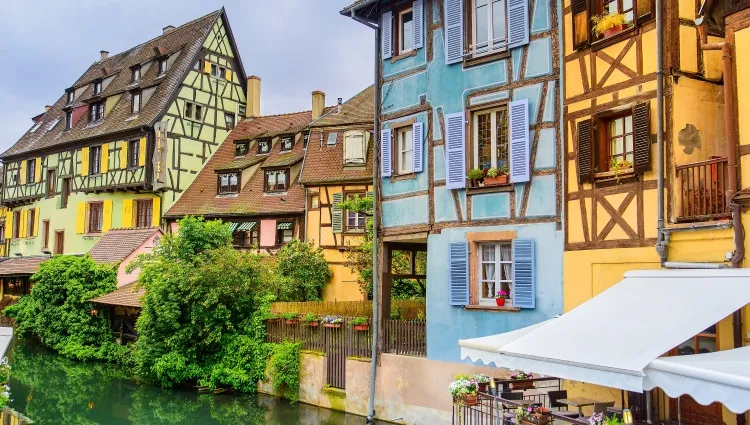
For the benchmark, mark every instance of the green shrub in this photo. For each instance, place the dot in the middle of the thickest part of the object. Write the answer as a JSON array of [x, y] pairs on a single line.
[[302, 272], [284, 369]]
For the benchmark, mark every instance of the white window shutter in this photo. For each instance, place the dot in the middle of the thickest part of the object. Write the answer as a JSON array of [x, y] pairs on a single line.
[[518, 23], [455, 151], [385, 153], [520, 162], [386, 35], [418, 19], [459, 273], [417, 138], [454, 31], [524, 285]]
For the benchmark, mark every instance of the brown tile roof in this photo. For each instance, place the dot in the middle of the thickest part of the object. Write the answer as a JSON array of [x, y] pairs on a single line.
[[284, 160], [182, 45], [115, 245], [16, 266], [201, 199], [241, 164], [357, 110], [127, 296]]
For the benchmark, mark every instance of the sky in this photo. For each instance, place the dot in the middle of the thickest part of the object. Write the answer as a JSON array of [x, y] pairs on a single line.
[[295, 46]]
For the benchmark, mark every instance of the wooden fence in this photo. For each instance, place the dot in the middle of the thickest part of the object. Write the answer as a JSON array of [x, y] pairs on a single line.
[[408, 309], [406, 337]]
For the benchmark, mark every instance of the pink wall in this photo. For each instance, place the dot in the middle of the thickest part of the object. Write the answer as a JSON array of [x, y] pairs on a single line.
[[124, 278], [267, 232]]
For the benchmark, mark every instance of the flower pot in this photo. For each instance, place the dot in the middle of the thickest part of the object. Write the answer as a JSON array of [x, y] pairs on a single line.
[[274, 320], [333, 325], [496, 181], [483, 387], [361, 327], [614, 30], [500, 301], [522, 385], [536, 420], [312, 324], [291, 321], [470, 400]]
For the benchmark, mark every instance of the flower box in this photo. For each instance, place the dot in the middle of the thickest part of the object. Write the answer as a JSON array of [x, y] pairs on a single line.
[[291, 321], [614, 30], [536, 420], [312, 324], [361, 327], [333, 325], [470, 400], [496, 181], [522, 385], [274, 320]]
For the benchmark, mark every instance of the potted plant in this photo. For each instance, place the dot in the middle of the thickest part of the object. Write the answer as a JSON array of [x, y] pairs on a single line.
[[534, 414], [310, 320], [496, 177], [619, 166], [598, 419], [476, 176], [332, 321], [500, 297], [290, 318], [608, 24], [524, 384], [464, 390], [274, 317], [483, 382], [359, 324]]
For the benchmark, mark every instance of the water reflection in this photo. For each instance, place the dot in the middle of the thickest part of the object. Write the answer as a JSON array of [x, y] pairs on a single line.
[[52, 390]]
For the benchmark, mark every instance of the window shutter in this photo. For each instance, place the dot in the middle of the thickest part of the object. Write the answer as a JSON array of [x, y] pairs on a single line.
[[156, 212], [459, 273], [386, 35], [124, 155], [9, 225], [142, 152], [641, 137], [24, 223], [38, 170], [127, 213], [84, 162], [585, 152], [520, 162], [370, 194], [107, 216], [454, 31], [207, 67], [105, 158], [228, 74], [518, 23], [418, 19], [524, 287], [580, 23], [455, 152], [336, 213], [385, 153], [416, 135], [81, 217], [36, 221], [23, 172]]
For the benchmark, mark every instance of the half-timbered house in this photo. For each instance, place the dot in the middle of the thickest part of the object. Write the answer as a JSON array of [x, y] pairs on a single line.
[[124, 141]]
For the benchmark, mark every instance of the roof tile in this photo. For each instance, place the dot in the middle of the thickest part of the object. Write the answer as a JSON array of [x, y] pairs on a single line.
[[117, 244]]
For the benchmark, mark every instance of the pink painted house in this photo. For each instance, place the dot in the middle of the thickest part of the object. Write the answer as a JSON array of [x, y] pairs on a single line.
[[122, 246]]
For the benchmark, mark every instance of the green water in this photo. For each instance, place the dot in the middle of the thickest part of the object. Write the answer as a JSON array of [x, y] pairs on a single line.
[[52, 390]]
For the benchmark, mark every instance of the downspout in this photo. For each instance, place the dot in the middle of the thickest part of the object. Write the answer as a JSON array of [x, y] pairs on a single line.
[[661, 245], [561, 91]]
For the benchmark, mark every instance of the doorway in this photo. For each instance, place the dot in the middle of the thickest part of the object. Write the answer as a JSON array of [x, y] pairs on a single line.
[[59, 242]]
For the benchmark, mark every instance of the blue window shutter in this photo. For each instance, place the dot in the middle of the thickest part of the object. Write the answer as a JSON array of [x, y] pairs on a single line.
[[518, 23], [455, 151], [386, 35], [385, 153], [418, 19], [518, 126], [459, 273], [524, 286], [454, 31], [337, 215], [417, 138]]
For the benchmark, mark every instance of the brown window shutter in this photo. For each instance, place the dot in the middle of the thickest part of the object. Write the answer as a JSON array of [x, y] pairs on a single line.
[[580, 17], [585, 152], [641, 137]]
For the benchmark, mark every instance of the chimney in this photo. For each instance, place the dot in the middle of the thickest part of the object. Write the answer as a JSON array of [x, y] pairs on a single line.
[[103, 55], [253, 97], [338, 105], [318, 104], [47, 108]]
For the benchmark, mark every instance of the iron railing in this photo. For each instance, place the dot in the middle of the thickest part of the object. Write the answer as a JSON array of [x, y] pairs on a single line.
[[703, 190]]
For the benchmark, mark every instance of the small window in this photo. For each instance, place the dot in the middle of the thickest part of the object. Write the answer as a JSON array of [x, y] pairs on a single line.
[[215, 70], [247, 238], [16, 224], [95, 159], [404, 150], [314, 201], [45, 234], [197, 65], [71, 96], [489, 26], [135, 74], [306, 138], [277, 180], [35, 127], [96, 217], [136, 103], [162, 66], [229, 120], [143, 212], [286, 143], [2, 233], [331, 139], [241, 148], [405, 36], [222, 72], [355, 221], [65, 192], [354, 147], [68, 120], [30, 171], [32, 222], [490, 139], [495, 272], [51, 182], [284, 233], [242, 111], [97, 87], [134, 153], [619, 144], [264, 146], [96, 111], [53, 124], [193, 111], [16, 286], [228, 183]]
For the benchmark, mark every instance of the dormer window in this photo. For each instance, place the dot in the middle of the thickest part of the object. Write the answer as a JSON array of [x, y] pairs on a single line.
[[286, 143], [277, 180], [354, 147], [71, 96], [162, 66], [242, 111], [53, 124], [228, 183], [96, 111], [264, 146], [136, 103], [241, 148], [229, 120], [35, 127], [136, 74], [97, 87], [69, 120]]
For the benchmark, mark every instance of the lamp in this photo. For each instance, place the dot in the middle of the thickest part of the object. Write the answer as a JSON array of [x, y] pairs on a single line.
[[18, 254], [46, 252], [627, 416]]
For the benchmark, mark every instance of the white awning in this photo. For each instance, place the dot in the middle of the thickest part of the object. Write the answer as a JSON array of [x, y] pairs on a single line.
[[6, 335], [610, 339]]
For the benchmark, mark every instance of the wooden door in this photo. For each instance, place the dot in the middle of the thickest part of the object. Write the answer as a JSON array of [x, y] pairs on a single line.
[[59, 242]]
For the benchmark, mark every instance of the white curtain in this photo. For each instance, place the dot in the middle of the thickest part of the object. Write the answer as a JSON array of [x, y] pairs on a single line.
[[505, 255], [488, 271]]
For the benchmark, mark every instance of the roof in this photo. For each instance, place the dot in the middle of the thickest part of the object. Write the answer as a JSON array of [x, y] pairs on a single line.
[[357, 110], [17, 266], [200, 198], [117, 244], [126, 296], [241, 164], [356, 5], [181, 45]]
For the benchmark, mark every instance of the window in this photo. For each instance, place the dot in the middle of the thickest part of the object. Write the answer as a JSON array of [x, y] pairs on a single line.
[[96, 111], [489, 26], [355, 221], [136, 74], [32, 222], [242, 111], [197, 65], [229, 120], [97, 87], [30, 171], [405, 36], [218, 71], [2, 233], [96, 217], [624, 7], [45, 235], [241, 148], [133, 154], [284, 233], [495, 271], [68, 120], [314, 201], [228, 183], [59, 242], [71, 96], [247, 235], [306, 138], [286, 143], [135, 103], [16, 224], [619, 142], [16, 286], [193, 111], [704, 342], [53, 124], [162, 66], [490, 138], [51, 181], [35, 127], [277, 180], [65, 192], [404, 153], [144, 209], [264, 146], [637, 12], [95, 159], [354, 147]]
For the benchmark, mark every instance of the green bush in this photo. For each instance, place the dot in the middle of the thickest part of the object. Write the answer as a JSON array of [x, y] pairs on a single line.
[[302, 272], [284, 369]]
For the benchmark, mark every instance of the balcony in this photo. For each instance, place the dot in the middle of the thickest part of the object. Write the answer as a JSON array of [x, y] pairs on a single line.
[[700, 190]]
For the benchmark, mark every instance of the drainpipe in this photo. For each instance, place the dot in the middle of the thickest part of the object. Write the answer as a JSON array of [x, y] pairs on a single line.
[[561, 89], [661, 245]]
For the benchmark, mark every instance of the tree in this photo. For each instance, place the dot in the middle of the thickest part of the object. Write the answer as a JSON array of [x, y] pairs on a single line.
[[302, 272]]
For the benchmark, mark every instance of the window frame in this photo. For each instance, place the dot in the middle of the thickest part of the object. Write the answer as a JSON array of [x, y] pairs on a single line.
[[314, 202], [280, 233], [237, 144], [68, 120], [45, 233], [472, 34], [162, 67], [193, 111], [474, 115], [229, 117], [264, 142], [602, 139], [31, 214], [137, 94], [30, 171], [286, 138], [475, 240], [65, 190], [95, 223], [229, 189], [97, 87], [71, 96], [135, 74], [360, 217], [498, 263], [276, 190], [16, 286], [398, 15], [95, 160], [147, 205], [583, 10], [134, 154], [96, 112], [253, 236], [51, 182], [400, 167]]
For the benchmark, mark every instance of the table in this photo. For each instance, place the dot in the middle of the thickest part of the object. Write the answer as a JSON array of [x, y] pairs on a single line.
[[579, 402]]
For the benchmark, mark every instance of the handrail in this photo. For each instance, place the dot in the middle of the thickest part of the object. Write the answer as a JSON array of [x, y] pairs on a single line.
[[699, 163]]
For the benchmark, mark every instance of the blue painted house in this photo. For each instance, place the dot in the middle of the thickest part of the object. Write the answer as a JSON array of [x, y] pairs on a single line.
[[471, 87]]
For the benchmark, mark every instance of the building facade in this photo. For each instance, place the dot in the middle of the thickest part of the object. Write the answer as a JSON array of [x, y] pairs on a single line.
[[123, 143], [471, 85]]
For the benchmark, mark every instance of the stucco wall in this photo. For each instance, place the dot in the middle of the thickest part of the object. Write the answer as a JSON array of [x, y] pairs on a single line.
[[124, 278], [267, 232]]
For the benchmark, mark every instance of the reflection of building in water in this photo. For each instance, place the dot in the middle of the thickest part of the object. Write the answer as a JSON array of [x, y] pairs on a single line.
[[11, 417]]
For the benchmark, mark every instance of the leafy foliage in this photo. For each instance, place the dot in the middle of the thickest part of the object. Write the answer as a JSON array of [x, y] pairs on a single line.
[[59, 313], [284, 369], [302, 272]]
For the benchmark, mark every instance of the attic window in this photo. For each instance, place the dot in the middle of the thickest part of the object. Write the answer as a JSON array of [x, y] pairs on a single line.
[[264, 146], [331, 141], [96, 111], [69, 120], [71, 96], [162, 66], [228, 184], [136, 103], [97, 87], [136, 74], [241, 148], [354, 147], [286, 143], [53, 124], [241, 111], [277, 180], [35, 127]]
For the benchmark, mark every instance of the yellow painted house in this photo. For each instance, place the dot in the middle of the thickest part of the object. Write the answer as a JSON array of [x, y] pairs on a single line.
[[338, 166], [611, 188]]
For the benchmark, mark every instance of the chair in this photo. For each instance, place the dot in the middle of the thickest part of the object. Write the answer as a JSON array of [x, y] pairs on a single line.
[[562, 409], [510, 411], [602, 407]]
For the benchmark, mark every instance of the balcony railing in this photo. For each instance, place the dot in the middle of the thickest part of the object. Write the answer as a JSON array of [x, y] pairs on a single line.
[[702, 187]]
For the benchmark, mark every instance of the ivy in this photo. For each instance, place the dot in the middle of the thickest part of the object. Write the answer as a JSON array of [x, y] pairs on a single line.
[[284, 369]]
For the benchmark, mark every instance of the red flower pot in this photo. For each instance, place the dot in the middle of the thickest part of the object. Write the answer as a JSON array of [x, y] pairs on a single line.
[[361, 327], [614, 30], [312, 324], [500, 301], [333, 325], [471, 400], [291, 321], [496, 181]]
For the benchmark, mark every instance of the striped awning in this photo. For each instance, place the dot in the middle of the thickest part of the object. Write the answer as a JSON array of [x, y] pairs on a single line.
[[233, 226], [283, 226], [247, 226]]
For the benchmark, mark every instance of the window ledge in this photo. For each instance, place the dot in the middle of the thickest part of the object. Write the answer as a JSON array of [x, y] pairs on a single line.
[[492, 308], [404, 55], [614, 39], [407, 176], [489, 189], [490, 57], [227, 195], [614, 176]]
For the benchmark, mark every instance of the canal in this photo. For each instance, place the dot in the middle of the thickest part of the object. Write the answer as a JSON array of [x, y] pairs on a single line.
[[52, 390]]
